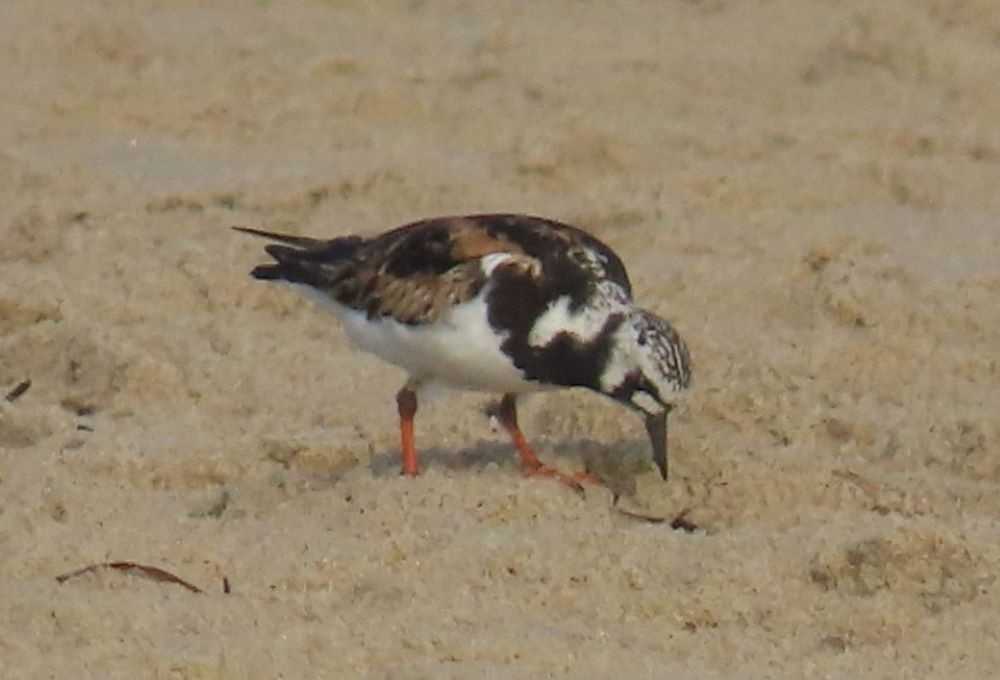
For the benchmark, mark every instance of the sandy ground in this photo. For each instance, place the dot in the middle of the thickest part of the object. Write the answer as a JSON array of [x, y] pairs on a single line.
[[809, 190]]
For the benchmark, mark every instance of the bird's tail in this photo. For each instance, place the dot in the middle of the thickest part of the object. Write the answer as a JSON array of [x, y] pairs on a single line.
[[304, 260]]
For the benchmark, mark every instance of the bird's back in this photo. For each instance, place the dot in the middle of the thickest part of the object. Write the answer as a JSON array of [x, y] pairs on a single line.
[[436, 245], [415, 272]]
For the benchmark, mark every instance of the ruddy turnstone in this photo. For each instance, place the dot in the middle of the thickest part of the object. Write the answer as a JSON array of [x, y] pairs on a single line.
[[505, 303]]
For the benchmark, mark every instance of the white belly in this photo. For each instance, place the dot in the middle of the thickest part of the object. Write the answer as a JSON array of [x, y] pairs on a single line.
[[459, 350]]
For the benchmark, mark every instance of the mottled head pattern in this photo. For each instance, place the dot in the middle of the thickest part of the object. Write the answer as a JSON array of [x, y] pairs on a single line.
[[649, 367]]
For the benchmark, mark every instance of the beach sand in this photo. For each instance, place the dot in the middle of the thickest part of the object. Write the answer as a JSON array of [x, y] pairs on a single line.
[[810, 191]]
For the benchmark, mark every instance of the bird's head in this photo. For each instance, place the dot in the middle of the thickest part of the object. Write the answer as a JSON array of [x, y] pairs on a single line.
[[648, 370]]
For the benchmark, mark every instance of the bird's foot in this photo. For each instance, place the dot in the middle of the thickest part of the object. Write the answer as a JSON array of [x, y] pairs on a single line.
[[574, 481]]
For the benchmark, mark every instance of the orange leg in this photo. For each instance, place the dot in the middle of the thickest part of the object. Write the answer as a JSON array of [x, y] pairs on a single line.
[[406, 400], [530, 464]]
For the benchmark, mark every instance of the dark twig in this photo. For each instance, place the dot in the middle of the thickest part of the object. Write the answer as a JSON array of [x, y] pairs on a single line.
[[19, 390], [680, 521], [683, 523], [152, 573]]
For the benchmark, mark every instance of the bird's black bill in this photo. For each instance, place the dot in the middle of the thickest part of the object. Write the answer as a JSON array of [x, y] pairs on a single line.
[[656, 426]]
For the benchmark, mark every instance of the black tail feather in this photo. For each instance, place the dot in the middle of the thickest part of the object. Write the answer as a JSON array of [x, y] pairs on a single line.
[[291, 264], [268, 272], [300, 241], [304, 260]]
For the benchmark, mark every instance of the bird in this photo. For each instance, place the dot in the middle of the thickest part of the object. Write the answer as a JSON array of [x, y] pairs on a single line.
[[506, 304]]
